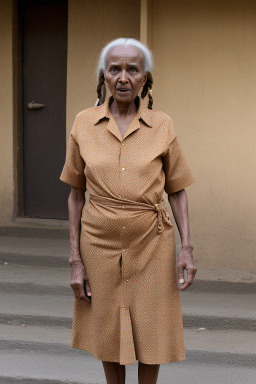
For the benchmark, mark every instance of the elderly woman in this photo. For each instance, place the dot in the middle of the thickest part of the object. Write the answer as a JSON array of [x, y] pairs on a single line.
[[124, 278]]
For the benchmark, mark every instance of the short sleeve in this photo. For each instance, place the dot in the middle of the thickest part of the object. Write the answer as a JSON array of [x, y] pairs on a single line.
[[73, 170], [177, 172]]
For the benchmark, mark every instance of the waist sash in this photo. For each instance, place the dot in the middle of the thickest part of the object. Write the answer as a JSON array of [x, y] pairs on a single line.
[[159, 208]]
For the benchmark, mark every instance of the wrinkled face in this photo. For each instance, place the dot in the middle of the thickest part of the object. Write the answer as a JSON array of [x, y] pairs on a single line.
[[124, 73]]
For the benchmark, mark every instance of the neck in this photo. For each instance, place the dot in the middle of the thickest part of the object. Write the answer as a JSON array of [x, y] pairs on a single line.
[[123, 109]]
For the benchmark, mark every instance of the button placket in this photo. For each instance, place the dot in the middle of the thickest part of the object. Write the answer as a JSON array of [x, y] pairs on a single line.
[[125, 280], [122, 169], [123, 227]]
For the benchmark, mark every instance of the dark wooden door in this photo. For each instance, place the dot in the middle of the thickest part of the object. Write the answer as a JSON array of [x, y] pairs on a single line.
[[44, 127]]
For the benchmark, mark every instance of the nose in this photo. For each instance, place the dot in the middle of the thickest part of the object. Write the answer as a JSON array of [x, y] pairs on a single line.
[[123, 77]]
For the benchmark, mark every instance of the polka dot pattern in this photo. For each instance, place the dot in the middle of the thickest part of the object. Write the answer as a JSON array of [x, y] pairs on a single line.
[[135, 312]]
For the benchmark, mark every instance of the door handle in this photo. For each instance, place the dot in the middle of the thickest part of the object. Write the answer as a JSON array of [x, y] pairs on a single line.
[[33, 105]]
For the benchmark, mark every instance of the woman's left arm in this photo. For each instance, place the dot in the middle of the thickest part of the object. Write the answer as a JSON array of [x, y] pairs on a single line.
[[179, 205]]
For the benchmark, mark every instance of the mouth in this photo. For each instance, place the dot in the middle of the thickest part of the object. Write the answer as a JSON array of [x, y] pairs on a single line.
[[123, 90]]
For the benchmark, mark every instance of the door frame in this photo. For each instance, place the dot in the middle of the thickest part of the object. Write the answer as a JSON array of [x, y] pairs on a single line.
[[18, 208], [18, 122]]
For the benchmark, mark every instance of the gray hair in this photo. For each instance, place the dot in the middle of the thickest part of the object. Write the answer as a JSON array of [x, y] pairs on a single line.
[[147, 54]]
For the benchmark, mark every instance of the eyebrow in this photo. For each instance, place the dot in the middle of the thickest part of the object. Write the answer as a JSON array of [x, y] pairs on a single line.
[[118, 64]]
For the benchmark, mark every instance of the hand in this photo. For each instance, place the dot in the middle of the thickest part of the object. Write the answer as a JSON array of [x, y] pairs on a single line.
[[185, 261], [79, 279]]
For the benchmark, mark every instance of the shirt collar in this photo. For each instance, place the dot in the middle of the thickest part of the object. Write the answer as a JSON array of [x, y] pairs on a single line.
[[143, 113]]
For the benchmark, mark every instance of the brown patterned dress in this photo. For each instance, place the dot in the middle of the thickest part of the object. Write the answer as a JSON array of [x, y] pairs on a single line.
[[127, 241]]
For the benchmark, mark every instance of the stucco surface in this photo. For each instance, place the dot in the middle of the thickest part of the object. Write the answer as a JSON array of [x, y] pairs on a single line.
[[204, 77], [91, 25]]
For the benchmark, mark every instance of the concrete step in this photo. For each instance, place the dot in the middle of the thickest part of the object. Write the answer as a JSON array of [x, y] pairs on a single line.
[[199, 311], [30, 260], [41, 270], [242, 342], [20, 278], [35, 247], [190, 322], [42, 295], [36, 308], [43, 228], [40, 362]]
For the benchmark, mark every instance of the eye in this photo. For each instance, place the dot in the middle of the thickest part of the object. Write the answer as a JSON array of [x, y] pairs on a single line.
[[133, 69], [113, 69]]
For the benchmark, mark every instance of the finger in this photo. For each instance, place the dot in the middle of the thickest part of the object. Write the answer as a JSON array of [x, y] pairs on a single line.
[[87, 288], [189, 280], [185, 286], [73, 286], [86, 299], [181, 274], [81, 291], [191, 275]]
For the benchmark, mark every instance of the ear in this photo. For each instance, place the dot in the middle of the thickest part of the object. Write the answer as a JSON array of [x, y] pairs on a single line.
[[106, 81], [145, 79]]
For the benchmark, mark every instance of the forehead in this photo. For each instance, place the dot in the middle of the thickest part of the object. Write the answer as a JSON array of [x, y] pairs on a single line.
[[125, 53]]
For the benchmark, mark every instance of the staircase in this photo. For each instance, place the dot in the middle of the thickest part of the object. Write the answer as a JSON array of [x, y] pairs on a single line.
[[36, 317]]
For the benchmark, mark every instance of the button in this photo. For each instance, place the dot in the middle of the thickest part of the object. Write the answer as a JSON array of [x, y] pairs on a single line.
[[123, 250], [127, 280], [122, 143], [123, 227], [123, 169]]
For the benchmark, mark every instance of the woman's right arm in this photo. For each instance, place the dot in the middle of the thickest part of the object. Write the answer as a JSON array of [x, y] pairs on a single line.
[[79, 279]]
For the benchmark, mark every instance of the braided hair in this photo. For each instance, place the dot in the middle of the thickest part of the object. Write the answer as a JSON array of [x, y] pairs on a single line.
[[147, 88], [101, 89]]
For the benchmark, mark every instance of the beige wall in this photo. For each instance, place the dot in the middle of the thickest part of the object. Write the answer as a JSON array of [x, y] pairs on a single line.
[[204, 78], [6, 113], [205, 55], [91, 25]]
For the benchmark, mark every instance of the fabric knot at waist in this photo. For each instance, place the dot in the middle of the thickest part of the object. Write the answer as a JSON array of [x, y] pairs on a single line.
[[159, 208]]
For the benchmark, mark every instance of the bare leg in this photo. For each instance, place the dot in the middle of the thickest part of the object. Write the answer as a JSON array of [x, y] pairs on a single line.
[[114, 372], [148, 373]]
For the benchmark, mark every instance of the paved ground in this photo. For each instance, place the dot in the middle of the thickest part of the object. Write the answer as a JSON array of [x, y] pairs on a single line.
[[36, 306]]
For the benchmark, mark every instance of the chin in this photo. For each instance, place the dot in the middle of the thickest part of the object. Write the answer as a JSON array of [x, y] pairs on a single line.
[[123, 99]]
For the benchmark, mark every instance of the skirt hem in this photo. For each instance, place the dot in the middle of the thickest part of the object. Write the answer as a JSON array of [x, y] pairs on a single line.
[[143, 361]]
